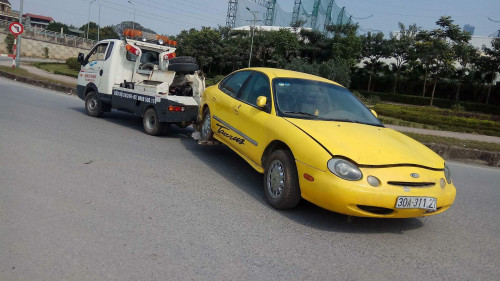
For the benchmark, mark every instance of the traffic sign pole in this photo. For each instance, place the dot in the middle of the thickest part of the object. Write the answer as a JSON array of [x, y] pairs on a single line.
[[14, 57], [18, 53]]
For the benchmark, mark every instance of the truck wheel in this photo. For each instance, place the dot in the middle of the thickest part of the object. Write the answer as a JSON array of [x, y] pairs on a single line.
[[206, 133], [151, 124], [281, 184], [93, 105], [182, 59], [187, 68]]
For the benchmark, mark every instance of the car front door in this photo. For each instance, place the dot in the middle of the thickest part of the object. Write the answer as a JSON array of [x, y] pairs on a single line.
[[251, 120], [93, 70]]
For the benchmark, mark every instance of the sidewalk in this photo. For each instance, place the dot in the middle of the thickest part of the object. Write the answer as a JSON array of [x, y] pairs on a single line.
[[37, 71], [456, 135]]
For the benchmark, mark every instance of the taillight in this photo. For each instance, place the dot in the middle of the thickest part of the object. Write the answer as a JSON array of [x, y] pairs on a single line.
[[169, 56], [176, 108], [133, 50]]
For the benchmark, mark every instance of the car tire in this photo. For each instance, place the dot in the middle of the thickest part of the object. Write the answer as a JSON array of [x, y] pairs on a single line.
[[182, 59], [281, 183], [206, 133], [93, 105], [187, 68], [151, 124]]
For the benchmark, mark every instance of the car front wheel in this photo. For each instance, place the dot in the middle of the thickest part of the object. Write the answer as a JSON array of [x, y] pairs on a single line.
[[206, 133], [281, 185]]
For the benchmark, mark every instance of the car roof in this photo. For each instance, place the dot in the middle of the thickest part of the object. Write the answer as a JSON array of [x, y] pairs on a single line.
[[283, 73]]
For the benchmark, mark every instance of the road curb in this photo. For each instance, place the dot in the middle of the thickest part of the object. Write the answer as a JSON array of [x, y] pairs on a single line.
[[40, 83], [489, 158]]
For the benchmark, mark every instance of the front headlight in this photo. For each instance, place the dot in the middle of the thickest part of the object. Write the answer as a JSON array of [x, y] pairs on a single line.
[[447, 173], [344, 169]]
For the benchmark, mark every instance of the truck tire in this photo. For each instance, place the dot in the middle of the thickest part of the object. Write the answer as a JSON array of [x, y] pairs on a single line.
[[188, 68], [93, 105], [206, 133], [151, 124], [281, 183], [182, 59]]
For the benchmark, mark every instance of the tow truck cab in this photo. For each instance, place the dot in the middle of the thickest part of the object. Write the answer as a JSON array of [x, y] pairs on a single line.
[[143, 76]]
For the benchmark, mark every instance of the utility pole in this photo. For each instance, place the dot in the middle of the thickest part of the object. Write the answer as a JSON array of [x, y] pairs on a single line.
[[133, 23], [18, 47], [99, 21], [88, 23], [254, 13]]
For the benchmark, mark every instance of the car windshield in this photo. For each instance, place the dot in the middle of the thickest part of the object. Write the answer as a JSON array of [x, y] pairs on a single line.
[[309, 99]]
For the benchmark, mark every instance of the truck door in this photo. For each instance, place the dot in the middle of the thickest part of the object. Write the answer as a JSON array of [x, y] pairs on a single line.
[[97, 69]]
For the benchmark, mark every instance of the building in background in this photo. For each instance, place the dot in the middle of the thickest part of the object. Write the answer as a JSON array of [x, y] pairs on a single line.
[[6, 13], [37, 20], [469, 28]]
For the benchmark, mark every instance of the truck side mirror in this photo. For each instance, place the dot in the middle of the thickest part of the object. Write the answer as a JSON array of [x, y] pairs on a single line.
[[81, 58]]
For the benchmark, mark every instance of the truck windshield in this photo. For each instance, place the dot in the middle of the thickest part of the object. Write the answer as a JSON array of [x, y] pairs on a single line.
[[309, 99]]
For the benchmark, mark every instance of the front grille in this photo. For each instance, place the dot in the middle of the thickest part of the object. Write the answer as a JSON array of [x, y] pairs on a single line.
[[411, 184], [375, 210]]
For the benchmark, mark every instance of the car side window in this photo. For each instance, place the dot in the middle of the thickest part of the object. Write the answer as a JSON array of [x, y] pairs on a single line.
[[257, 86], [98, 53], [233, 84]]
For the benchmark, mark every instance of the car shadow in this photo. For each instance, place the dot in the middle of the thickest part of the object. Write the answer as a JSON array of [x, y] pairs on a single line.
[[233, 168]]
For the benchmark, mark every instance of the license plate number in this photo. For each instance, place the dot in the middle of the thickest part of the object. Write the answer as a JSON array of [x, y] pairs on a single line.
[[413, 202]]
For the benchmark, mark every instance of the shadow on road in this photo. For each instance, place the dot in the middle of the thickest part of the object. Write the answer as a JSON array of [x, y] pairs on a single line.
[[232, 167]]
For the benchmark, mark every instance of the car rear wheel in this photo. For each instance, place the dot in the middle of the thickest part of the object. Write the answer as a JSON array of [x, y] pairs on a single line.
[[281, 184], [151, 124], [206, 133], [93, 105]]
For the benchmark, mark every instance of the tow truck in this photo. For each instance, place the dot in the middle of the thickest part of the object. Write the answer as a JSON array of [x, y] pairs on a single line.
[[141, 74]]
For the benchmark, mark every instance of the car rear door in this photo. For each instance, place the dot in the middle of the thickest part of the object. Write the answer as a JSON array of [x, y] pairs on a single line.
[[222, 103]]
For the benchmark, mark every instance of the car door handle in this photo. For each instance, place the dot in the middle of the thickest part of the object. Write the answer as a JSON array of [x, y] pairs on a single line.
[[214, 98], [236, 109]]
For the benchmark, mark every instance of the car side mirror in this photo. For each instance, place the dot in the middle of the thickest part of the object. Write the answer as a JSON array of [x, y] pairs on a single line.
[[262, 102], [81, 58], [374, 113]]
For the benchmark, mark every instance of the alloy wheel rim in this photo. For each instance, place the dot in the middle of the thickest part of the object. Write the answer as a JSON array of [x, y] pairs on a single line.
[[206, 125], [275, 179]]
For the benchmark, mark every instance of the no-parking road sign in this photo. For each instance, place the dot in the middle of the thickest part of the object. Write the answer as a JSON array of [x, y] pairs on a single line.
[[16, 28]]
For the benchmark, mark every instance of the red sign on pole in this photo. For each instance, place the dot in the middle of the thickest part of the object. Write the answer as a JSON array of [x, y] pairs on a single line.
[[16, 28]]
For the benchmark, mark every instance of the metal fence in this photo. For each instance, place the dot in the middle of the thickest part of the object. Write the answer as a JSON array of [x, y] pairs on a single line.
[[42, 34]]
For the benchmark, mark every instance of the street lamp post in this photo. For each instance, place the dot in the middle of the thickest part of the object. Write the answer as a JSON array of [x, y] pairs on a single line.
[[253, 33], [133, 23], [88, 23]]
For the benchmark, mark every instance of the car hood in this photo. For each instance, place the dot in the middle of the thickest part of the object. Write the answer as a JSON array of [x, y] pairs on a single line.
[[369, 145]]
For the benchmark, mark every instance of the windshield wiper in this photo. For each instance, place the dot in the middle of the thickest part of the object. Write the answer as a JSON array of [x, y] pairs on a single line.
[[303, 113]]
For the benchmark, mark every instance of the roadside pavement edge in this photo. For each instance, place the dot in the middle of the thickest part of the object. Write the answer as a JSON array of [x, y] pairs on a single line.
[[44, 84]]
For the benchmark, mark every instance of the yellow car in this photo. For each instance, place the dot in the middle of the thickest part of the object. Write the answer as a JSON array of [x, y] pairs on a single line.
[[313, 139]]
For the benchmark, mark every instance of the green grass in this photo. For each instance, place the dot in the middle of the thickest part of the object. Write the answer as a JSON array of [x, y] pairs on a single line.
[[488, 146], [398, 122], [25, 73], [442, 119], [57, 68]]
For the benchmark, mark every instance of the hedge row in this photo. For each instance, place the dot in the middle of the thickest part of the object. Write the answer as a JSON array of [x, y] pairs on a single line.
[[443, 103], [443, 119]]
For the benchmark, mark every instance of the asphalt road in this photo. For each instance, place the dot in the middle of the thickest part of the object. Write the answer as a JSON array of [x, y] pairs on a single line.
[[97, 199]]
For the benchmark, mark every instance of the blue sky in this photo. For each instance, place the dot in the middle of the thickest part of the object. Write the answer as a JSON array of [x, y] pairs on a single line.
[[172, 16]]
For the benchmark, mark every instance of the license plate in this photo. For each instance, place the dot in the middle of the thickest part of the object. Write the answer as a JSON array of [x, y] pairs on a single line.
[[413, 202]]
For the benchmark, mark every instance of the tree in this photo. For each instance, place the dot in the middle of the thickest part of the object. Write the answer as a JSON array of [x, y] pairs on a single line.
[[464, 55], [425, 53], [374, 48], [402, 47], [490, 63], [202, 44]]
